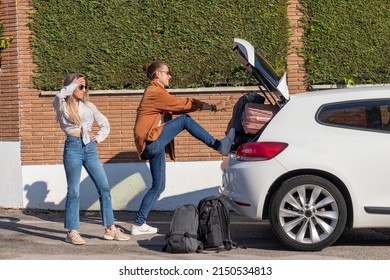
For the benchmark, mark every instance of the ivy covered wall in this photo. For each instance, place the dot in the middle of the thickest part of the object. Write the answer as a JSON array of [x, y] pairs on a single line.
[[110, 40], [346, 42]]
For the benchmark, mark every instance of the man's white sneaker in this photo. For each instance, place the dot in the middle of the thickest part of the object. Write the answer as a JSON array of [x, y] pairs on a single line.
[[144, 229], [226, 142]]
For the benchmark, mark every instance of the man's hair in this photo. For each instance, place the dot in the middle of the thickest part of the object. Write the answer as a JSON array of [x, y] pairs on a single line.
[[152, 68]]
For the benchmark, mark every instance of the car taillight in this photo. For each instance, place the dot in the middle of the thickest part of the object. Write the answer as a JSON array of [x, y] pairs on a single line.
[[259, 150]]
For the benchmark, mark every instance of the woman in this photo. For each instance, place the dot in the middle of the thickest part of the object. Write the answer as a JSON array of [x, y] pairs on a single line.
[[155, 130], [76, 116]]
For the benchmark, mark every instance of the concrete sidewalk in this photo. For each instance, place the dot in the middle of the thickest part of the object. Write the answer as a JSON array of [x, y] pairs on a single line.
[[38, 235], [32, 246]]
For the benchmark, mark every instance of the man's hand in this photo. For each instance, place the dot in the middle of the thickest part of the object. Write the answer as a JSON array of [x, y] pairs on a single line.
[[223, 105]]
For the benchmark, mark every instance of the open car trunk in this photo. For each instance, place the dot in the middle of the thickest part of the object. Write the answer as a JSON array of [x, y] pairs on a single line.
[[254, 110]]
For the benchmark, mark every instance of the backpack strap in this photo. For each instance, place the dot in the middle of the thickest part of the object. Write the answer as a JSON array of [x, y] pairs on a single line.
[[225, 208], [228, 242], [186, 234]]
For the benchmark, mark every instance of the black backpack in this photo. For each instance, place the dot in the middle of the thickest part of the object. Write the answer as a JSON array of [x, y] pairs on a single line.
[[182, 236], [214, 224]]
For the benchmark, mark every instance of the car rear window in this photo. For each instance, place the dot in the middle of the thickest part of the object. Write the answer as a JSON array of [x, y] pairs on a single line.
[[367, 114]]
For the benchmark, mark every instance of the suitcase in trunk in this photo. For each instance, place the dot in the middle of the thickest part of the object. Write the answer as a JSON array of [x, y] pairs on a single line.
[[255, 116]]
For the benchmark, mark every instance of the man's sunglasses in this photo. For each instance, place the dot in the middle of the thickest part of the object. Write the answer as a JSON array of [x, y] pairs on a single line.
[[167, 72]]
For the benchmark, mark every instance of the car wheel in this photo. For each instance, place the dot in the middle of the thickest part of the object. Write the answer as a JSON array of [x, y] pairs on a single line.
[[308, 213]]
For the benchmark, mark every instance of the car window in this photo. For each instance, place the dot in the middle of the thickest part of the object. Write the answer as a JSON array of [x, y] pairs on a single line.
[[367, 114]]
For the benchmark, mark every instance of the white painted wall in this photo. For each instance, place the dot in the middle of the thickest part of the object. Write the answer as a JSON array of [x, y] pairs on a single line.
[[10, 175], [44, 186]]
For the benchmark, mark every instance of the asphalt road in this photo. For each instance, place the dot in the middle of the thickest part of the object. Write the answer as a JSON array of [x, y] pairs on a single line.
[[39, 235]]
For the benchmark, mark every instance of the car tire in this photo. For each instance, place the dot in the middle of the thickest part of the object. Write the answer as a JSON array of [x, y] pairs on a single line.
[[308, 213]]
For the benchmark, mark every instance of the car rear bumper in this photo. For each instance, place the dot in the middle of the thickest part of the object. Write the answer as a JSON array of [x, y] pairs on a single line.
[[247, 184]]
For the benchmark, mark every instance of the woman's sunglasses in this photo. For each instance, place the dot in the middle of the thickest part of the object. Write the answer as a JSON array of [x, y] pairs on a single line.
[[82, 87]]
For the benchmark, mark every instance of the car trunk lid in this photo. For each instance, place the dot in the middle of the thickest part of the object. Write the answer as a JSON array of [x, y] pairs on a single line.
[[262, 71], [254, 110]]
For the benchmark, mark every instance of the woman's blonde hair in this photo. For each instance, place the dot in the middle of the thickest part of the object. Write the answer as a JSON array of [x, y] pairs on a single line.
[[70, 101]]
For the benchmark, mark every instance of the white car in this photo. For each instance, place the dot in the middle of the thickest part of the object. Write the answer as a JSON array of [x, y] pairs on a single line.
[[320, 164]]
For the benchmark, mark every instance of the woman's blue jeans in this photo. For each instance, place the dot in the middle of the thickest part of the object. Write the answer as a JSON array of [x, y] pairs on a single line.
[[76, 155], [155, 153]]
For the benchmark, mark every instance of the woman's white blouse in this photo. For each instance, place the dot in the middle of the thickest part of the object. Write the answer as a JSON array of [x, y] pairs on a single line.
[[88, 114]]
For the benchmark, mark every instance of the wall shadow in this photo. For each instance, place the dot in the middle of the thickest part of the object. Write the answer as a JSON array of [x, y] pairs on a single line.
[[36, 195]]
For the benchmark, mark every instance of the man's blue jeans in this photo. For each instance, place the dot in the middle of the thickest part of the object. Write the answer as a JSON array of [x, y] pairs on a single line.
[[76, 155], [155, 153]]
